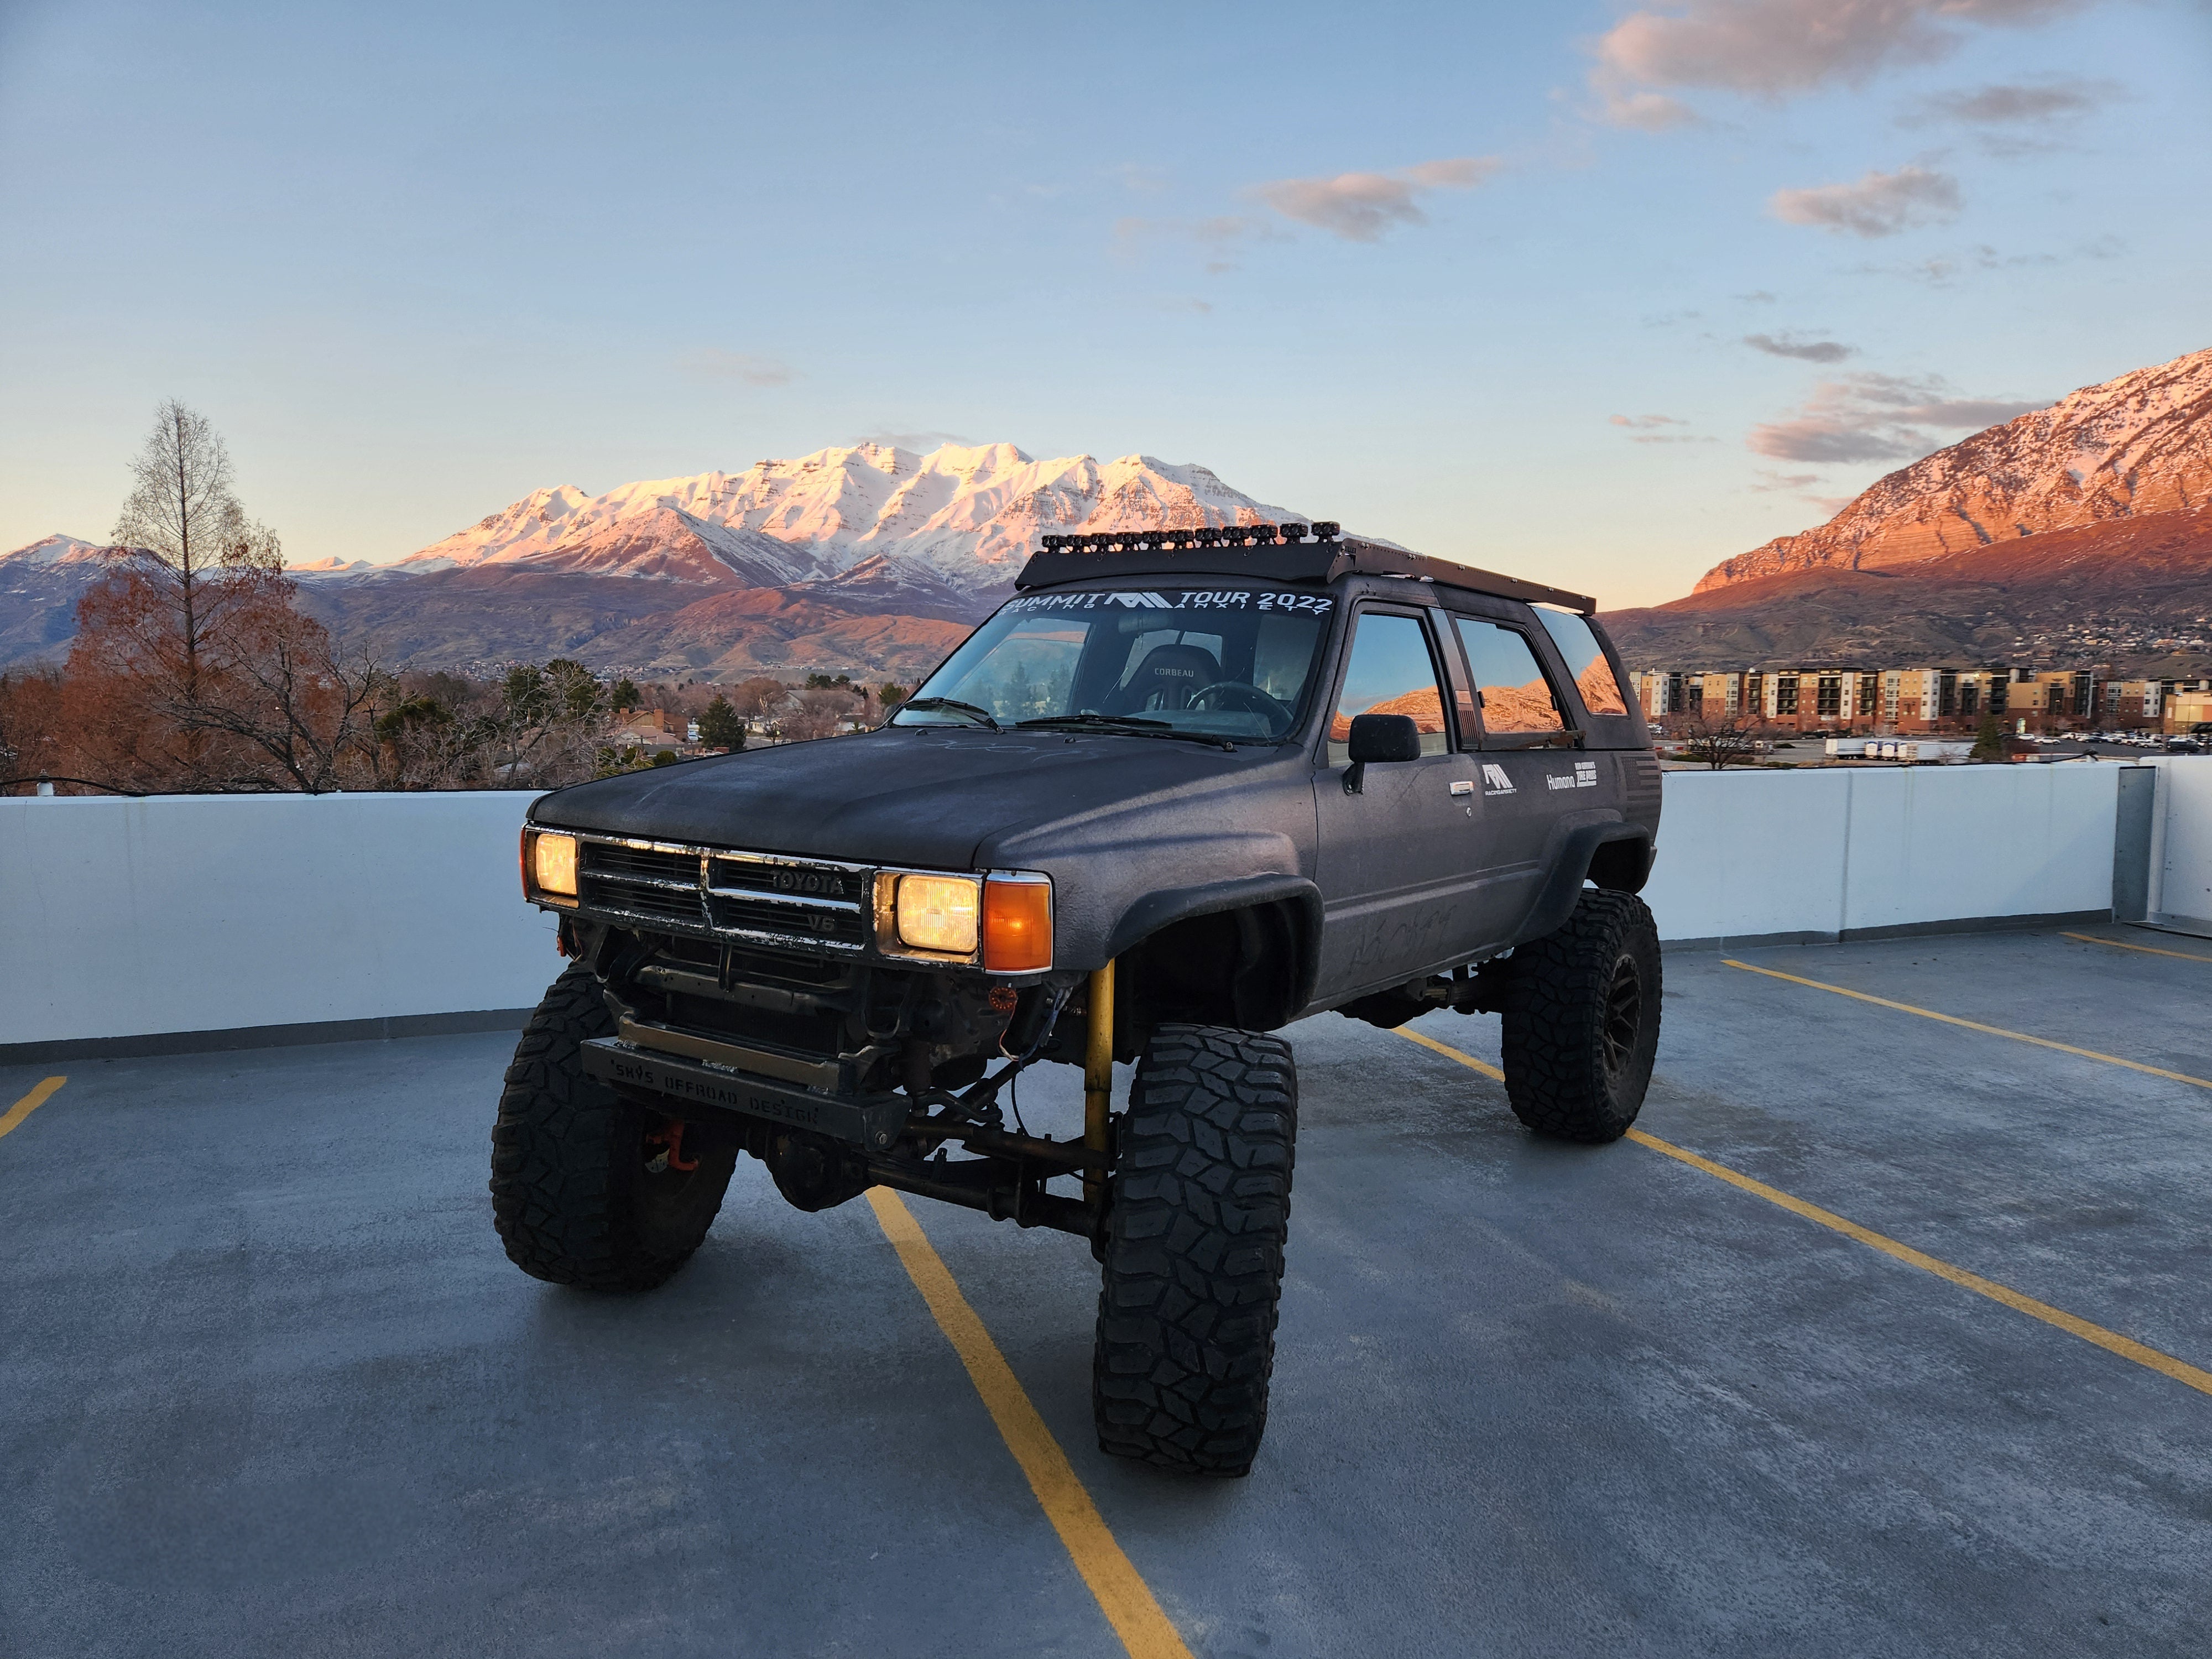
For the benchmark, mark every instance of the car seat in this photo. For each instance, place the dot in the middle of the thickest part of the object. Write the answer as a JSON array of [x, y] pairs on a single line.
[[1167, 678]]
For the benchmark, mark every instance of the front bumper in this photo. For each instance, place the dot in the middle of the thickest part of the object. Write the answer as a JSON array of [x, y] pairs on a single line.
[[870, 1123]]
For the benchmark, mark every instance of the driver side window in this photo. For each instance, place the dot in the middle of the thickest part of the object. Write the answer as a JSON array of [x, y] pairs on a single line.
[[1389, 671]]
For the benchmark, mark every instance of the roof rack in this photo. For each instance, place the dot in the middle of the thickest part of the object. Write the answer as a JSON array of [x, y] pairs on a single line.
[[1318, 553]]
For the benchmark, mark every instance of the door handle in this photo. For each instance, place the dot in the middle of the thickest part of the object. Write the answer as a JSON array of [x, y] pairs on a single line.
[[1463, 785]]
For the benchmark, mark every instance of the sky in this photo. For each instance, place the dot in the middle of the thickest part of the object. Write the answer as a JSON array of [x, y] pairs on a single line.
[[1597, 294]]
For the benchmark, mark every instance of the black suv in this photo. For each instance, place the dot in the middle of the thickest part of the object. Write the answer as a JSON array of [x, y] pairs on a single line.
[[1183, 788]]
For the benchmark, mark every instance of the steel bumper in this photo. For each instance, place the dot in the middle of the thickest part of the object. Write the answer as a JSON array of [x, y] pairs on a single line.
[[870, 1123]]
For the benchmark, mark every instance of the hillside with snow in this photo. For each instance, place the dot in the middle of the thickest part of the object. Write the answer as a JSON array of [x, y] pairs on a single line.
[[864, 559], [964, 517], [2136, 445]]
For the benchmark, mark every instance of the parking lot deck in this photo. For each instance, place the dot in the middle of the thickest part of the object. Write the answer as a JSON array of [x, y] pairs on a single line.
[[269, 1387]]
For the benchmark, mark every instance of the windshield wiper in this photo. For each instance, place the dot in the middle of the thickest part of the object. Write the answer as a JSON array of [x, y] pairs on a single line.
[[983, 715], [1087, 717], [1131, 727]]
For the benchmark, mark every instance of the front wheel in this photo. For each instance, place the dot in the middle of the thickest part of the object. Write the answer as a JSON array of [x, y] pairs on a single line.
[[1582, 1020], [1198, 1213], [588, 1189]]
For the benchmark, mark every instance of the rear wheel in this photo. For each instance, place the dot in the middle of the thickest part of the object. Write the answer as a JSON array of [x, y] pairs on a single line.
[[1198, 1213], [1582, 1020], [588, 1189]]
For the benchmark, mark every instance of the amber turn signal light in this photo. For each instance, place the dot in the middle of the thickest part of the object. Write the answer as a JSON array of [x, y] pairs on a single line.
[[1017, 924]]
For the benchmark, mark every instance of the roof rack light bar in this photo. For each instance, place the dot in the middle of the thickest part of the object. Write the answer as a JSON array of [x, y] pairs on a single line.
[[1169, 541]]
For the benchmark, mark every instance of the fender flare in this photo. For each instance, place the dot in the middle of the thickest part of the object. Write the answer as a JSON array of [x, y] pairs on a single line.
[[1572, 848], [1154, 911]]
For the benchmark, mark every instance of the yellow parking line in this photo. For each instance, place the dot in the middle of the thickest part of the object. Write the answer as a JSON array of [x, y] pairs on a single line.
[[1975, 1026], [30, 1103], [2112, 1341], [2123, 944], [1123, 1596], [1449, 1053]]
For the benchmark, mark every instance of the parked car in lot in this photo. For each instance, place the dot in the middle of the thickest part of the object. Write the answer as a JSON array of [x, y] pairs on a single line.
[[1183, 788]]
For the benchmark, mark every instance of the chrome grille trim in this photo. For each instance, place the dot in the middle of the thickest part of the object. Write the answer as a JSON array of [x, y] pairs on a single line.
[[648, 891]]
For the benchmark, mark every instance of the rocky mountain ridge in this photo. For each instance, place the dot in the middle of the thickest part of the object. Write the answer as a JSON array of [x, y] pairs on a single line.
[[961, 516], [2135, 445]]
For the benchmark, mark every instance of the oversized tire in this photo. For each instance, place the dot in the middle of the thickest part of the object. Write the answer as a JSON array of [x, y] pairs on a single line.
[[1582, 1020], [1198, 1212], [578, 1194]]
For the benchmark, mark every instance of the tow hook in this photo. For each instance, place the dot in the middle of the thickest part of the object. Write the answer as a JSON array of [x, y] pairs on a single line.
[[670, 1142]]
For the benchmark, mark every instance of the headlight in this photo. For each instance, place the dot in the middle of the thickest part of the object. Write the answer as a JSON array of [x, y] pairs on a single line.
[[551, 866], [938, 913]]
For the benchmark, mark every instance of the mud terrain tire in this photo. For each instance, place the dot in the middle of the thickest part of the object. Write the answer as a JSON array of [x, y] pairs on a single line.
[[1198, 1215], [571, 1194], [1582, 1020]]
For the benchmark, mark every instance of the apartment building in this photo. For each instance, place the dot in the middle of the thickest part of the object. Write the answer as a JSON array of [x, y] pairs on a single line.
[[1842, 701]]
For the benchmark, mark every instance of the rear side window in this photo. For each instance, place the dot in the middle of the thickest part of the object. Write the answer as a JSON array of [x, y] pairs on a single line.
[[1390, 672], [1514, 694], [1593, 676]]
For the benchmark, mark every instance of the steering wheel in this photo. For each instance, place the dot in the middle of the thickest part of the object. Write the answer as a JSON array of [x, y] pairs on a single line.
[[1235, 697]]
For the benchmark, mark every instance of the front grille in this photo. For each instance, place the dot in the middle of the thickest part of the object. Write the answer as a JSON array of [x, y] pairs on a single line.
[[752, 896], [805, 922], [659, 883], [786, 878]]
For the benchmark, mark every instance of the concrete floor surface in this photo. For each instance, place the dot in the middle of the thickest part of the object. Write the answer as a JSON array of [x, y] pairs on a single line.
[[269, 1387]]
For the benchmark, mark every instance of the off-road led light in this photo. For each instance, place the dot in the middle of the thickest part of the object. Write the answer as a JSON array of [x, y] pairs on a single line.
[[938, 913], [553, 865], [1017, 923]]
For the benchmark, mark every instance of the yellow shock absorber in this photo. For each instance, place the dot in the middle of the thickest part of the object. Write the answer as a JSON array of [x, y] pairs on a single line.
[[1098, 1076]]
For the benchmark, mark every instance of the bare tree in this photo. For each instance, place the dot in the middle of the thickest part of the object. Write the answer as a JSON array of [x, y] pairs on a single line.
[[181, 513], [1724, 739], [282, 688]]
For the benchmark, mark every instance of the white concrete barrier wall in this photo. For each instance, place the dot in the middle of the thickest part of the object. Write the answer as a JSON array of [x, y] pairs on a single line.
[[183, 914], [200, 913], [1823, 853], [2181, 843]]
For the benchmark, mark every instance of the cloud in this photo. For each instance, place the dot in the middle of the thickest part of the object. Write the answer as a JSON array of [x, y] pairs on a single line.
[[1876, 417], [713, 363], [1219, 236], [1777, 481], [921, 442], [2025, 104], [1879, 205], [1938, 271], [1360, 207], [1775, 49], [1806, 351], [1138, 176], [1758, 296], [1644, 430]]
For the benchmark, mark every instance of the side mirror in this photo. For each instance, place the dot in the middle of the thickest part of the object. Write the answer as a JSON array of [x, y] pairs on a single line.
[[1384, 737], [1379, 737]]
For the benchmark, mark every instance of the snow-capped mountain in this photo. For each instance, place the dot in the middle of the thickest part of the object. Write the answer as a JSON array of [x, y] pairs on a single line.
[[963, 517], [867, 558], [2138, 445], [55, 550]]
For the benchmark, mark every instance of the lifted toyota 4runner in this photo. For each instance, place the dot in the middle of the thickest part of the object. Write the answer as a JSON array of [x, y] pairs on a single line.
[[1186, 788]]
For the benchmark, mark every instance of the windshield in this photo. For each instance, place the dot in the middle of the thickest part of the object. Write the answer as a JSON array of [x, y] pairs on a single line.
[[1218, 662]]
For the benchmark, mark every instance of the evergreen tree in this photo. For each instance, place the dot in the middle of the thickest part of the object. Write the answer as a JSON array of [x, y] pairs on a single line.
[[720, 728]]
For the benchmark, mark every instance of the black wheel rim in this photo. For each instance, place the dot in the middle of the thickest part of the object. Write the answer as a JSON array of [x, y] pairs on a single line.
[[1624, 1015]]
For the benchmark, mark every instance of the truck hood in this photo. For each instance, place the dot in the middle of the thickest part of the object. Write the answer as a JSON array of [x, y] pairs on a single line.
[[937, 797]]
